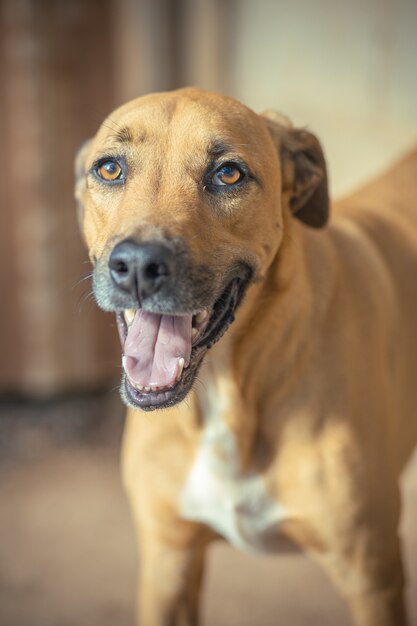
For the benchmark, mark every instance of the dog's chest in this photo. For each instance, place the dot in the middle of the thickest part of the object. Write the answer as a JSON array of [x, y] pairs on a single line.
[[234, 504]]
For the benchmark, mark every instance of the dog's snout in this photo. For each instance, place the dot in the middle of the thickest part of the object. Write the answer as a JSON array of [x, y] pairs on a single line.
[[140, 268]]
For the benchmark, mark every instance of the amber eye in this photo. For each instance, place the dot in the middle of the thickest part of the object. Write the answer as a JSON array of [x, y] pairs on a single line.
[[109, 170], [228, 174]]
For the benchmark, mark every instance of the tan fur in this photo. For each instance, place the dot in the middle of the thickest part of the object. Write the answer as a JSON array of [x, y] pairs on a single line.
[[316, 377]]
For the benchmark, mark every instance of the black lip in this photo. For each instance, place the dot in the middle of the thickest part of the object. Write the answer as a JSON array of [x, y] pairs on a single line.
[[152, 400], [161, 399], [222, 316], [223, 313]]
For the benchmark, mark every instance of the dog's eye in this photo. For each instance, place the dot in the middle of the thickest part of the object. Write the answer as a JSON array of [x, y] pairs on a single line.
[[109, 170], [228, 174]]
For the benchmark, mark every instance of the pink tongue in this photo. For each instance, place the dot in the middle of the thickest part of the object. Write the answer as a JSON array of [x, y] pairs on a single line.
[[153, 347]]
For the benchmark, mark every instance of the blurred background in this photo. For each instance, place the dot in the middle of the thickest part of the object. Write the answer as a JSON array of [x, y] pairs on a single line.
[[348, 72]]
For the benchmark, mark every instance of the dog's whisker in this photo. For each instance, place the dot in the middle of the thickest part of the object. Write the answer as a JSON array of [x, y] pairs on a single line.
[[200, 383], [84, 298], [109, 127], [82, 279], [114, 122]]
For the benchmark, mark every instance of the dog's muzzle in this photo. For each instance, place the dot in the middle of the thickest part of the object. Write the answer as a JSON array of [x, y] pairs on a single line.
[[169, 313]]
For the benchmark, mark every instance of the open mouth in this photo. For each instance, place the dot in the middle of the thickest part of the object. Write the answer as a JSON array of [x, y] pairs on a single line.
[[162, 352]]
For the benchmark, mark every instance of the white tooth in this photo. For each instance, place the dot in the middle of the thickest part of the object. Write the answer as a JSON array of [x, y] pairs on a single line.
[[201, 316], [124, 361], [136, 386], [181, 363], [194, 333], [147, 388], [129, 315]]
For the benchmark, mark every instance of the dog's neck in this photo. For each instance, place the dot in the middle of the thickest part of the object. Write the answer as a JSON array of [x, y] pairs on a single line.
[[277, 317]]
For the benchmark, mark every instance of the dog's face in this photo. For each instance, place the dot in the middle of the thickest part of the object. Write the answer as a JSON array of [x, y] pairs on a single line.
[[181, 200]]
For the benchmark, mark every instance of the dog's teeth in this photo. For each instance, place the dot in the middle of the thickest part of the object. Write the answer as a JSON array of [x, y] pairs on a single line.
[[136, 386], [147, 388], [194, 333], [129, 315], [201, 316], [181, 363]]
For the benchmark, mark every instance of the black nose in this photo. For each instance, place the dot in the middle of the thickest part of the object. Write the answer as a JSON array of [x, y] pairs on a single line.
[[140, 268]]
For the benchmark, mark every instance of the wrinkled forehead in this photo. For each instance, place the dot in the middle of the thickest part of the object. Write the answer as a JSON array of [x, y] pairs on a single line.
[[186, 120]]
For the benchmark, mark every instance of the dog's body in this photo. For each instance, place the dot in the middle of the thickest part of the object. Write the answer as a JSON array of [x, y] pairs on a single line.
[[302, 415]]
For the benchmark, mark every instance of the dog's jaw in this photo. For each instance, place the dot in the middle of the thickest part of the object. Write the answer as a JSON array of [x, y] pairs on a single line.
[[208, 328]]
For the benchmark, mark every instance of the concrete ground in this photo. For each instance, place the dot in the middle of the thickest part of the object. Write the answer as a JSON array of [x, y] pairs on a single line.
[[67, 551]]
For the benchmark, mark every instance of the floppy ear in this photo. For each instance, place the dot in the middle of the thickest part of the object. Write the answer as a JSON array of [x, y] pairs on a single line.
[[304, 175], [79, 171]]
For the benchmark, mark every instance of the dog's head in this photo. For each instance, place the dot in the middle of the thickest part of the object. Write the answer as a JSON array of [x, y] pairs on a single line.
[[182, 199]]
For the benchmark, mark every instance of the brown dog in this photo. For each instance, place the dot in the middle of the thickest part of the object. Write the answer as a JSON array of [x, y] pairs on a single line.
[[299, 419]]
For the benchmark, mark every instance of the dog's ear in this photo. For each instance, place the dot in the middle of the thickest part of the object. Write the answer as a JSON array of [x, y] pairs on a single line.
[[80, 172], [304, 175]]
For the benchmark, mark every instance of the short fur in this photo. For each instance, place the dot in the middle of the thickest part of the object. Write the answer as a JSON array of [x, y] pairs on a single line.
[[308, 401]]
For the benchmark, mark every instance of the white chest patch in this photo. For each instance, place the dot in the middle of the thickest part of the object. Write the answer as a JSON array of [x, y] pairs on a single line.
[[234, 504]]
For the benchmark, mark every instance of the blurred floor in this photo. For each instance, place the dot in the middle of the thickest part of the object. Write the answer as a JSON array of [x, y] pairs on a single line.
[[67, 551]]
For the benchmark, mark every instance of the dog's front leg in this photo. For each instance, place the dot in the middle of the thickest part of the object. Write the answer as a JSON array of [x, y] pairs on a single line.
[[383, 607], [170, 578], [370, 576], [157, 456]]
